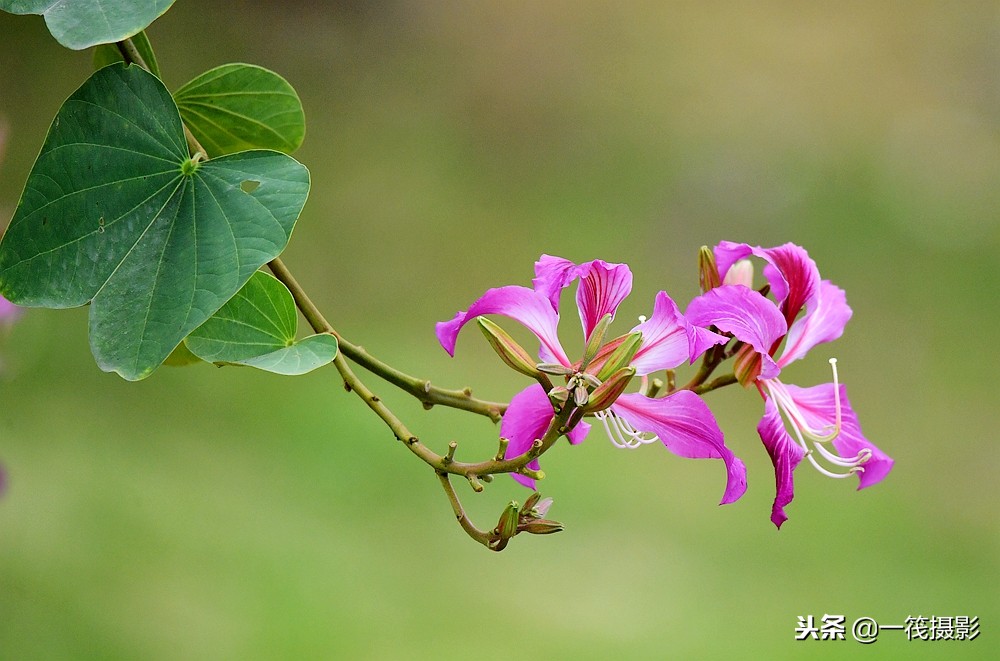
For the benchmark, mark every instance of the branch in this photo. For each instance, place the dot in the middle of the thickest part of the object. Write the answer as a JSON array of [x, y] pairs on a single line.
[[419, 388]]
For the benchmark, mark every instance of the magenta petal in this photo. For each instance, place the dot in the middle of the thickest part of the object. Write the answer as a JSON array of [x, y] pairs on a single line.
[[669, 339], [602, 287], [8, 311], [728, 253], [818, 407], [824, 322], [793, 276], [746, 314], [785, 455], [684, 424], [525, 420], [552, 275], [520, 304]]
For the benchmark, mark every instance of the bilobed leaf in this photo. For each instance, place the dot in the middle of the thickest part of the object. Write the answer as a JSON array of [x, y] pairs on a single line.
[[116, 214], [105, 54], [80, 24], [257, 327], [242, 106]]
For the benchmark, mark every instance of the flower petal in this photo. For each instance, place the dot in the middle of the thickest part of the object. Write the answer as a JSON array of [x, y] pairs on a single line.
[[669, 339], [526, 419], [824, 322], [746, 314], [552, 275], [602, 287], [684, 424], [728, 253], [785, 455], [793, 276], [521, 304], [818, 407]]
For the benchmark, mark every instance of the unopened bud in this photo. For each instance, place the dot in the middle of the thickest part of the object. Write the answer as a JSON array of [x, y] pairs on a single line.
[[510, 352], [740, 273], [530, 503], [708, 271], [559, 395], [542, 527], [609, 391], [581, 395], [622, 355], [746, 365], [507, 525], [595, 340]]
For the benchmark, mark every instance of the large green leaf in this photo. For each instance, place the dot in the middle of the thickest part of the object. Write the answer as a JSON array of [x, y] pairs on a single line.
[[80, 24], [242, 106], [115, 213], [257, 327]]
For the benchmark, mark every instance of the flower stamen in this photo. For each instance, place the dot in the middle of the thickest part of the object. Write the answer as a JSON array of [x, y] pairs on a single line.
[[621, 433], [807, 435]]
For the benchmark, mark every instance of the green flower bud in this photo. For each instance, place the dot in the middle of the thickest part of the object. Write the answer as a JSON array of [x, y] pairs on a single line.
[[610, 390], [622, 356], [746, 365], [542, 527], [595, 341], [708, 271], [510, 352], [507, 525]]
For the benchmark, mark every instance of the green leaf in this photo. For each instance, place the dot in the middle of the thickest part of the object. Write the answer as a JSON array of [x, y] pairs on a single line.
[[242, 106], [257, 327], [115, 213], [80, 24], [106, 54]]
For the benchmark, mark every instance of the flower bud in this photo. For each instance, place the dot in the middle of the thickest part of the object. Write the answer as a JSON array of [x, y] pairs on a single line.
[[746, 365], [542, 527], [595, 340], [510, 352], [530, 503], [622, 355], [610, 390], [559, 395], [708, 271], [507, 525]]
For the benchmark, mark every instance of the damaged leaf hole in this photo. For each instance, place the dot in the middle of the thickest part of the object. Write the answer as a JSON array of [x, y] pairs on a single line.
[[249, 185]]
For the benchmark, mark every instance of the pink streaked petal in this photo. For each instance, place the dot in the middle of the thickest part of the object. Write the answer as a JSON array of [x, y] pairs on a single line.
[[521, 304], [785, 455], [525, 420], [602, 287], [818, 407], [793, 276], [746, 314], [728, 253], [669, 339], [824, 322], [552, 275], [686, 426]]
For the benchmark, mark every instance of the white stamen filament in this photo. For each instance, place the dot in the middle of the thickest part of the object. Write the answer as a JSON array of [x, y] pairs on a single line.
[[797, 421], [622, 434]]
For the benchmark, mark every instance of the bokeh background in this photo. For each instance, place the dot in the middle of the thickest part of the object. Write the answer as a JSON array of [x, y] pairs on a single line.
[[227, 514]]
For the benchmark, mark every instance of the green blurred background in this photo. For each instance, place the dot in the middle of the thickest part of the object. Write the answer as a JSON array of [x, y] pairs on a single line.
[[227, 514]]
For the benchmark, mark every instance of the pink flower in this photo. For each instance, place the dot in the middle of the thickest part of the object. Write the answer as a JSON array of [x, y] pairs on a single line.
[[681, 421], [817, 416], [8, 311]]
